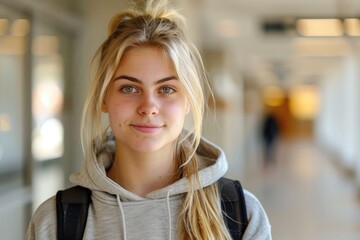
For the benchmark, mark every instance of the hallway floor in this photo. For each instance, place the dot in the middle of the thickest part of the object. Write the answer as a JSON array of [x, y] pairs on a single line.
[[305, 194]]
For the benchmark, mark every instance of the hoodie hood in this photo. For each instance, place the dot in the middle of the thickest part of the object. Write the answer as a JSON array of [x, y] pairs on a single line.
[[212, 166]]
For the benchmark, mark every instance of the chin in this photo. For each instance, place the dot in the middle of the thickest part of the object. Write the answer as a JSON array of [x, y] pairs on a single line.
[[152, 148]]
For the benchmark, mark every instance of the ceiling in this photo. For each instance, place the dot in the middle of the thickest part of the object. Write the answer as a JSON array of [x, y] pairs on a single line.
[[280, 57]]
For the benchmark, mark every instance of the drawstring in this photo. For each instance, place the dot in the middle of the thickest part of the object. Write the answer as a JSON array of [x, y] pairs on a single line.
[[169, 213], [122, 215]]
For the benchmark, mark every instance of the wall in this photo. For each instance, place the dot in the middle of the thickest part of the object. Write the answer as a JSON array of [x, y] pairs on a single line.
[[337, 126]]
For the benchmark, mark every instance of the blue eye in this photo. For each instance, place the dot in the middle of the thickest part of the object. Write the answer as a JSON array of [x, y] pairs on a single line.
[[167, 90], [128, 89]]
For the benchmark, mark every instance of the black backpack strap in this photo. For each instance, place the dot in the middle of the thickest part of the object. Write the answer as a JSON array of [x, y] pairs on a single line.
[[72, 209], [234, 207]]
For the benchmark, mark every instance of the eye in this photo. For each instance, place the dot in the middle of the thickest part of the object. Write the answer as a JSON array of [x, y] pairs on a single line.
[[128, 89], [167, 90]]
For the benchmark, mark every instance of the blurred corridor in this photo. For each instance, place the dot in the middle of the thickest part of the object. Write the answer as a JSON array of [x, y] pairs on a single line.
[[306, 193], [295, 63]]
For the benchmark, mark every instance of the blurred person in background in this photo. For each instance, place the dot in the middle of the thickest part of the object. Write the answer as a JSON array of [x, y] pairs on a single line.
[[269, 134], [149, 177]]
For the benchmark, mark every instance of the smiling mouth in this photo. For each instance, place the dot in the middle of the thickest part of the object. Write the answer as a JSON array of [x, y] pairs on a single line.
[[146, 128]]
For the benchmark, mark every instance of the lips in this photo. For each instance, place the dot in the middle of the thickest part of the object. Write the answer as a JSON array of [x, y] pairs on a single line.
[[146, 128]]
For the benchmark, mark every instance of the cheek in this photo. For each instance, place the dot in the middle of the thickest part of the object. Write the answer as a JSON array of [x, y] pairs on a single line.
[[119, 105], [114, 109], [177, 111], [117, 113]]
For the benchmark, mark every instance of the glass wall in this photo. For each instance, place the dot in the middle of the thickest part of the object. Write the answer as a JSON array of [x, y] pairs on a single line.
[[36, 58], [15, 121], [14, 30], [48, 85]]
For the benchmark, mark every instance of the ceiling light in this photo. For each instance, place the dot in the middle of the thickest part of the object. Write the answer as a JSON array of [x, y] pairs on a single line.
[[319, 27], [352, 26]]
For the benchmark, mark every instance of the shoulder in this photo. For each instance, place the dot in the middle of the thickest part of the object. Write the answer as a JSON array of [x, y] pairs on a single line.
[[43, 223], [259, 226]]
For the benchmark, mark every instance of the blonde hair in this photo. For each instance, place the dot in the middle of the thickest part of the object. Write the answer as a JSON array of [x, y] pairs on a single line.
[[150, 23]]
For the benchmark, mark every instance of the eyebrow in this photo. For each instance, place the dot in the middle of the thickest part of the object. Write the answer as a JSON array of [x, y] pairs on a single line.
[[132, 79]]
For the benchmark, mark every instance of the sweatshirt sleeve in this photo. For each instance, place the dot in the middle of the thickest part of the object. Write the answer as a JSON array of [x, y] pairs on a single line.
[[259, 227], [43, 222]]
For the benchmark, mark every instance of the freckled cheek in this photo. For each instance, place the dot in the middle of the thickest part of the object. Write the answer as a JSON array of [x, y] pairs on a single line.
[[119, 114], [115, 110]]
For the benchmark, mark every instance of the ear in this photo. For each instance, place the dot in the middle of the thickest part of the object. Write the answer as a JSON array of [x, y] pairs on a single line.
[[104, 107]]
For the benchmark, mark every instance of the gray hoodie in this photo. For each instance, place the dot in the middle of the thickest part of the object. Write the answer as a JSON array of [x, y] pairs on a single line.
[[116, 213]]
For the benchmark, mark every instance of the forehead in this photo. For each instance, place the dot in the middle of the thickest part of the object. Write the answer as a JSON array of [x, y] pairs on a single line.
[[146, 58]]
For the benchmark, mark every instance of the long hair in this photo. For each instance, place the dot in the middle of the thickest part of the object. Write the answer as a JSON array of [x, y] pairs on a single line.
[[152, 24]]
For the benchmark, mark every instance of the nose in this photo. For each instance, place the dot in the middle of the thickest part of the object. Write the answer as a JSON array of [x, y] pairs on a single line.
[[148, 106]]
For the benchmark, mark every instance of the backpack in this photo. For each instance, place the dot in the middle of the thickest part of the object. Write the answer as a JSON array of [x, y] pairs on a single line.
[[72, 207]]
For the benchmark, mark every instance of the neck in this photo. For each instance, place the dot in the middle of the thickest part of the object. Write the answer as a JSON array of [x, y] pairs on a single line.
[[141, 173]]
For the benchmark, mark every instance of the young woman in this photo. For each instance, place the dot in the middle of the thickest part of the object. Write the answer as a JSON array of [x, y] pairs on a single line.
[[150, 178]]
